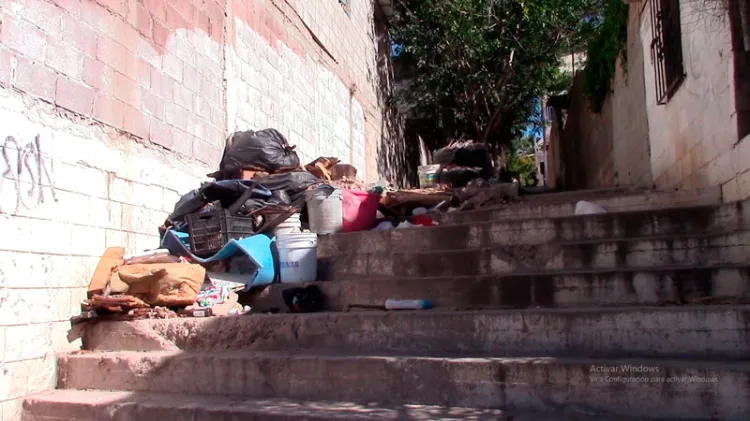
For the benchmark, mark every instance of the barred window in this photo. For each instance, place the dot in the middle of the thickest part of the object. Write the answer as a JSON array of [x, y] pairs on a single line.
[[666, 48]]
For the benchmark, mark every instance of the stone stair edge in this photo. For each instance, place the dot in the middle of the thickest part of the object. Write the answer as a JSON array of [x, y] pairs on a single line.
[[557, 273], [687, 195], [588, 241], [437, 312], [645, 213], [329, 355], [56, 403], [531, 384]]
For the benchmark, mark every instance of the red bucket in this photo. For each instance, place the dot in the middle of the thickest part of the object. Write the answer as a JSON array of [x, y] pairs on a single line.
[[360, 210]]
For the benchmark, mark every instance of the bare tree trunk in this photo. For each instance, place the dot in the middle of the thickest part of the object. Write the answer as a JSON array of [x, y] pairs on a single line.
[[493, 124]]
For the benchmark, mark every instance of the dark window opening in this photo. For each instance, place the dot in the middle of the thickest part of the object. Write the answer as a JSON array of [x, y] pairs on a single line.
[[666, 48], [541, 169], [739, 15]]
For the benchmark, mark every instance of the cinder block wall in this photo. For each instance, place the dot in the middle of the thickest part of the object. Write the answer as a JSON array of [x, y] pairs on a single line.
[[110, 109]]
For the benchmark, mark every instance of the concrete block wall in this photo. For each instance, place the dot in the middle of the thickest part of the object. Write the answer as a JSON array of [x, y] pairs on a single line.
[[80, 187], [694, 138], [110, 109], [308, 69]]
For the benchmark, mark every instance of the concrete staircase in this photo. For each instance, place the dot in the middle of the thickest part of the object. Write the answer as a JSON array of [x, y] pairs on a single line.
[[541, 316]]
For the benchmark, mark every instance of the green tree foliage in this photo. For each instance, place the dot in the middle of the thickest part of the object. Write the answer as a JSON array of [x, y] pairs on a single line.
[[521, 161], [607, 45], [481, 63]]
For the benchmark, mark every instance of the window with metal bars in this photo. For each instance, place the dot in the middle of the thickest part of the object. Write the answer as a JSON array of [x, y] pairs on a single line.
[[666, 48]]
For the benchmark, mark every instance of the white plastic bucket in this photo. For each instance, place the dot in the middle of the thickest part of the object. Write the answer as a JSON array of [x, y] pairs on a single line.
[[325, 210], [292, 225], [298, 257]]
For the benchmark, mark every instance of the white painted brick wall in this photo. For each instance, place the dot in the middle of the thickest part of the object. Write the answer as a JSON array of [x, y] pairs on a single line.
[[694, 136], [271, 86], [103, 190]]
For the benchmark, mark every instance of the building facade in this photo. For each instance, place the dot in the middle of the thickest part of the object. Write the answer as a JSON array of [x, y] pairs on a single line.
[[111, 109], [677, 116]]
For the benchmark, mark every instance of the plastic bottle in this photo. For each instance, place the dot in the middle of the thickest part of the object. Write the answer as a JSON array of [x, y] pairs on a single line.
[[394, 304]]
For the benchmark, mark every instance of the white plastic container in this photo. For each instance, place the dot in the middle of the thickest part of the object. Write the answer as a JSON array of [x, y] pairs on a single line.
[[292, 225], [298, 257], [325, 209]]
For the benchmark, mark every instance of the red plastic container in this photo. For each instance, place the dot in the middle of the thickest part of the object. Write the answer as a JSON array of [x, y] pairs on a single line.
[[360, 210]]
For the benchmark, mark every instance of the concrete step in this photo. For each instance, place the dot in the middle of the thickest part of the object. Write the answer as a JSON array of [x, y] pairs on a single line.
[[75, 405], [563, 204], [696, 250], [689, 390], [567, 288], [676, 332], [475, 234]]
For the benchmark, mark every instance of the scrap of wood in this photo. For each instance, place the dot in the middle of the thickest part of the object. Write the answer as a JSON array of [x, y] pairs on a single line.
[[116, 303], [340, 171], [415, 197], [322, 167]]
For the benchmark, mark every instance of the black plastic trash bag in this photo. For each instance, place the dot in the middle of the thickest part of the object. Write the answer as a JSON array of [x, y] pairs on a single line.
[[231, 195], [289, 188], [464, 154], [304, 300], [266, 150], [460, 176]]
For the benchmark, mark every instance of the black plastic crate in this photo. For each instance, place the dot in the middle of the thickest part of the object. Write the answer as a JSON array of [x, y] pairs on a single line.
[[210, 231]]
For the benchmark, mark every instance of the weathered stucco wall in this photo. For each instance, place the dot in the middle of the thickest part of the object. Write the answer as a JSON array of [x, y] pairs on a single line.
[[631, 149], [694, 139], [310, 71], [110, 109], [586, 143], [610, 148]]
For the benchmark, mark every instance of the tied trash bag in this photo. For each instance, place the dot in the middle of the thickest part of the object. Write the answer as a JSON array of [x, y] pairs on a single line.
[[464, 154], [304, 300], [266, 150], [230, 193], [289, 188], [460, 176]]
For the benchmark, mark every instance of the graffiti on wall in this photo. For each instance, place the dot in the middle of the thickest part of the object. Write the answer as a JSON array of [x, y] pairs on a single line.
[[25, 171]]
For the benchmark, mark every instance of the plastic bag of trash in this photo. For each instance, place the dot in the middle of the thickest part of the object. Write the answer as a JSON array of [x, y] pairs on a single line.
[[588, 208], [288, 188], [227, 192], [266, 150], [304, 300], [464, 154]]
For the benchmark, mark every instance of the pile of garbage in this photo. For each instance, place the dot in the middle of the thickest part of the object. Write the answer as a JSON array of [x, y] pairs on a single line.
[[255, 224], [258, 222]]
